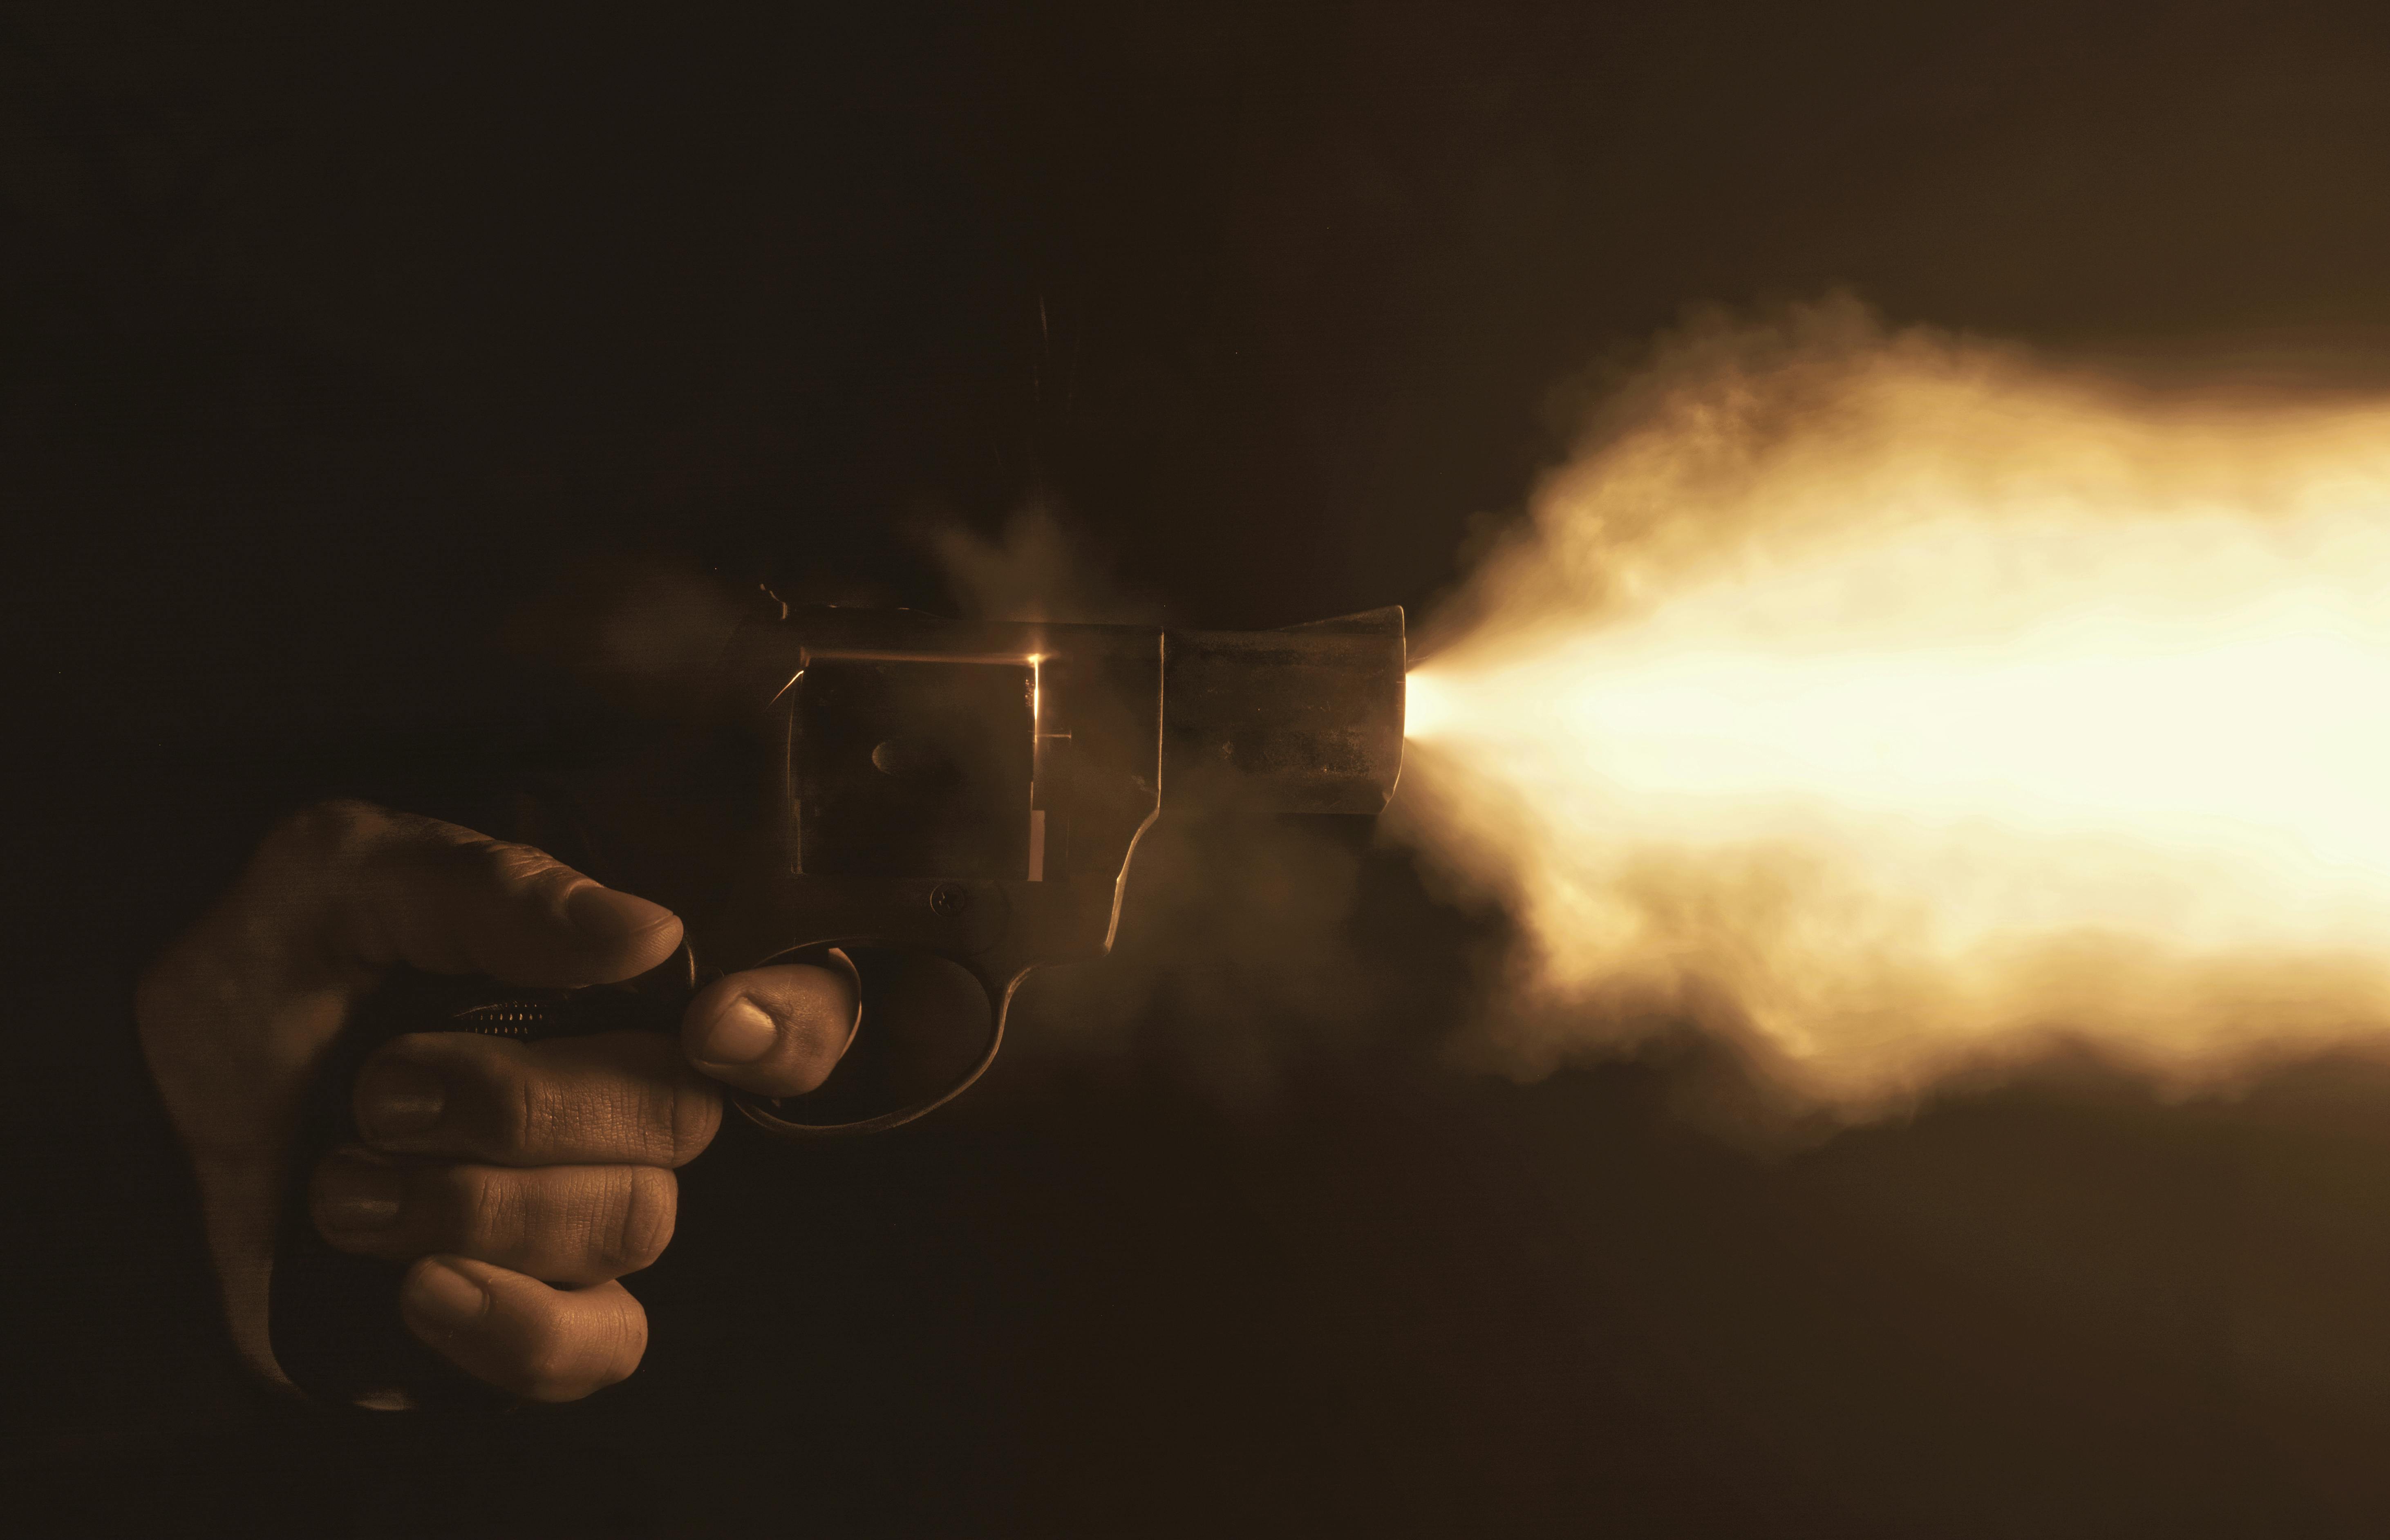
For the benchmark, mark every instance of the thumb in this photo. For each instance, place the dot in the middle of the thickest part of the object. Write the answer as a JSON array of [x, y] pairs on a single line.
[[390, 887]]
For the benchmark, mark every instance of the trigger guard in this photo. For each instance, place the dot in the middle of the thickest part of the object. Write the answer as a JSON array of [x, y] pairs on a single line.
[[765, 1112]]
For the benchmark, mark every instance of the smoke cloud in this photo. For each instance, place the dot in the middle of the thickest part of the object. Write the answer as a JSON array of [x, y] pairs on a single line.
[[1034, 570], [1899, 705]]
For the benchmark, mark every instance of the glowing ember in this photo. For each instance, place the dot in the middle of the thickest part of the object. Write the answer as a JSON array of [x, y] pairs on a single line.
[[1903, 704]]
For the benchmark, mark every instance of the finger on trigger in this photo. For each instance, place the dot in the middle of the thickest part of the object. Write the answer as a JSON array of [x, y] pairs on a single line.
[[777, 1032], [519, 1334]]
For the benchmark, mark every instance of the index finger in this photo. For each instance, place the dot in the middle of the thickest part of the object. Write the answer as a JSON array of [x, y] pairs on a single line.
[[778, 1030]]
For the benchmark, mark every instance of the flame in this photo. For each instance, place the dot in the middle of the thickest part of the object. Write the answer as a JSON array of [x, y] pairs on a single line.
[[1899, 703]]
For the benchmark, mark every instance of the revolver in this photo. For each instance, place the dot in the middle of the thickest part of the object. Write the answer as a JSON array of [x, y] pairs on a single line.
[[975, 791], [940, 806]]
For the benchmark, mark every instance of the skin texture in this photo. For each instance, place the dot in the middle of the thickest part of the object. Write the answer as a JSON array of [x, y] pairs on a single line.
[[521, 1181]]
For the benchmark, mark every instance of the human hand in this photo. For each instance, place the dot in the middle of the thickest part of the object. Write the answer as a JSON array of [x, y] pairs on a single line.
[[498, 1169]]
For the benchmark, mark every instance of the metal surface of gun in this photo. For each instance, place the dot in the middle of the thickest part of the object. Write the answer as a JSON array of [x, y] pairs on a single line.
[[976, 792]]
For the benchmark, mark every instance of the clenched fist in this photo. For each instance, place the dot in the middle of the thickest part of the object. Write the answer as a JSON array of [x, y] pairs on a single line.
[[520, 1180]]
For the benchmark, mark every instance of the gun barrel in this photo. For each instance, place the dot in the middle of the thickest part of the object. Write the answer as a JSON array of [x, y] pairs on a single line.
[[1310, 717], [909, 747]]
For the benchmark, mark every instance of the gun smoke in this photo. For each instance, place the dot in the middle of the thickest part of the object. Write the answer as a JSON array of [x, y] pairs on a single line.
[[1900, 705]]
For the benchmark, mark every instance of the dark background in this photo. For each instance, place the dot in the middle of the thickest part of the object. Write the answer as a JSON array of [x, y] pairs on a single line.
[[331, 337]]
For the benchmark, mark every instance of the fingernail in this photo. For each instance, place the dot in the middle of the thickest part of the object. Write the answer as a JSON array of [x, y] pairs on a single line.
[[357, 1196], [740, 1033], [442, 1296], [610, 918], [396, 1098]]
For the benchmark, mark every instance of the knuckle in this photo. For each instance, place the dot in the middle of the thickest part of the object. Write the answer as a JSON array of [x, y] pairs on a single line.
[[322, 834], [310, 872], [625, 1340], [479, 1203], [251, 930], [523, 869], [610, 1121], [534, 1113], [641, 1207], [688, 1115], [621, 1120], [585, 1101]]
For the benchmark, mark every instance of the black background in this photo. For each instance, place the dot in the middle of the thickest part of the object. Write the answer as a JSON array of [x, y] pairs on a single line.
[[333, 337]]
